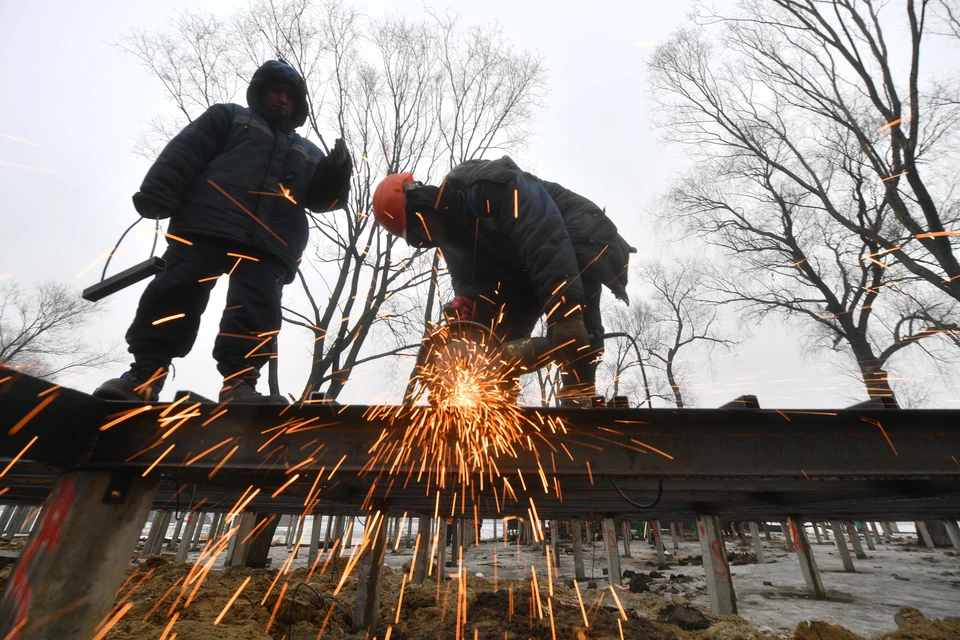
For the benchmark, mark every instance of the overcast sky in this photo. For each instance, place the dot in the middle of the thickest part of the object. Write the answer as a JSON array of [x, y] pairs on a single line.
[[81, 102]]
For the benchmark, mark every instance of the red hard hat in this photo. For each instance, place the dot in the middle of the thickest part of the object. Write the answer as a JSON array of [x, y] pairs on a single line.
[[389, 207]]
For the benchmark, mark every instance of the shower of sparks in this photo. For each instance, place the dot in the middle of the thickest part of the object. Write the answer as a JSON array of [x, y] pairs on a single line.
[[472, 421]]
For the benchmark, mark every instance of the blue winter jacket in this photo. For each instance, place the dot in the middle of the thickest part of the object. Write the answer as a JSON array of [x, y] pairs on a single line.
[[232, 176]]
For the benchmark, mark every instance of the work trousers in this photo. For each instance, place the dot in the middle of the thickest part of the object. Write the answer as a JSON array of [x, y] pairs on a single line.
[[168, 317], [513, 295]]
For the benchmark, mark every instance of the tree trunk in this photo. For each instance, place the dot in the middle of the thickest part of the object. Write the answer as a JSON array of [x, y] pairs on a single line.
[[871, 369], [671, 379]]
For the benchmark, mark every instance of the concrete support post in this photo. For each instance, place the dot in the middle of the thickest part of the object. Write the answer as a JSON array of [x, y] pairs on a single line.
[[757, 547], [578, 570], [625, 532], [422, 558], [5, 517], [867, 537], [766, 531], [298, 536], [723, 599], [441, 546], [187, 540], [315, 527], [785, 527], [408, 543], [658, 543], [327, 534], [893, 527], [923, 534], [222, 524], [842, 549], [69, 572], [16, 521], [456, 541], [886, 531], [816, 532], [954, 532], [239, 546], [808, 564], [259, 552], [347, 523], [174, 540], [855, 539], [158, 533], [366, 608], [876, 533], [339, 526], [198, 531], [673, 535], [613, 552], [555, 542]]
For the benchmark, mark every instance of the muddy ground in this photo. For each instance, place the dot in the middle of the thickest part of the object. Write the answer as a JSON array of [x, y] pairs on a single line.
[[671, 609]]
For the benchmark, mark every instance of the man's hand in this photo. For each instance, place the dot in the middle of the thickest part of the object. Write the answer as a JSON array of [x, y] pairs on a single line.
[[339, 155], [571, 330], [460, 308]]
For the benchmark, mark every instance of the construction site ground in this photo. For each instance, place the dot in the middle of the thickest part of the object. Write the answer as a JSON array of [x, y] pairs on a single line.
[[898, 593]]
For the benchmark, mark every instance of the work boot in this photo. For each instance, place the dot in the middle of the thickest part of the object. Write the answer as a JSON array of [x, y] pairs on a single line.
[[142, 383], [244, 391]]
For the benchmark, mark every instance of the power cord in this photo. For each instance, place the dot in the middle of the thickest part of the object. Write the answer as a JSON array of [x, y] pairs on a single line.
[[153, 249], [637, 504]]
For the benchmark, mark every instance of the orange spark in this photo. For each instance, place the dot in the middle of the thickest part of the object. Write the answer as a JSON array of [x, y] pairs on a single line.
[[175, 316], [127, 415], [939, 234], [586, 623], [247, 211], [162, 455], [166, 631], [17, 457], [213, 448], [24, 166], [114, 620], [654, 449], [32, 414], [623, 613], [285, 485], [225, 458]]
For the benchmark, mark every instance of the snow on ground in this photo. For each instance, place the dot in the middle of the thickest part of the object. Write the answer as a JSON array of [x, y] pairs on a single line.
[[897, 574]]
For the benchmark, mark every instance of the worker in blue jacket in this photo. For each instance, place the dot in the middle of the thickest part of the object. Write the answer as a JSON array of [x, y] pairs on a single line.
[[235, 184], [518, 248]]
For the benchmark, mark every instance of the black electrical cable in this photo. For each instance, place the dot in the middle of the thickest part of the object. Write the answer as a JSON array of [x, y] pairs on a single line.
[[637, 504], [123, 235]]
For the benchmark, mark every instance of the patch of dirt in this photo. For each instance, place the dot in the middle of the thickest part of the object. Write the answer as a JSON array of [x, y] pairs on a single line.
[[819, 630], [913, 625], [427, 611]]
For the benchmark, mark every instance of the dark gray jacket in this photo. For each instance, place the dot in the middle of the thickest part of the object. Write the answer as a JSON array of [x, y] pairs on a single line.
[[540, 227], [211, 179]]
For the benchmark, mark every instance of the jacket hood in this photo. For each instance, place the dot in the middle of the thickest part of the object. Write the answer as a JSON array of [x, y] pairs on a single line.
[[277, 71]]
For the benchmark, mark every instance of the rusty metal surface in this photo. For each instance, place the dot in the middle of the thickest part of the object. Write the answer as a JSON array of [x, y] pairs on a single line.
[[740, 463]]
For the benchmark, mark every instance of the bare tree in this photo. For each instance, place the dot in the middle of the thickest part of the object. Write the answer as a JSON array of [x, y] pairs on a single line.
[[800, 181], [41, 330], [406, 95], [679, 317], [625, 351], [796, 83]]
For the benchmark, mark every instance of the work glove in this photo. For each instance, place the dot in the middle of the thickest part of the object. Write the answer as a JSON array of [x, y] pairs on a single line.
[[148, 208], [571, 328], [339, 155], [460, 308]]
